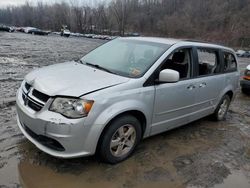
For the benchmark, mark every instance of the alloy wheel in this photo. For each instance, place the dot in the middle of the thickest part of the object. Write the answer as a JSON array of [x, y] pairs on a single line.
[[123, 140], [223, 108]]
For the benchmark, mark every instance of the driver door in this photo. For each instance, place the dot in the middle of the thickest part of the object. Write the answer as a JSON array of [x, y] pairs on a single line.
[[174, 102]]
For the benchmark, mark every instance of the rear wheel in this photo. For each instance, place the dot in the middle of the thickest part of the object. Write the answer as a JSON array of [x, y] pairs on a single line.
[[120, 139], [222, 109]]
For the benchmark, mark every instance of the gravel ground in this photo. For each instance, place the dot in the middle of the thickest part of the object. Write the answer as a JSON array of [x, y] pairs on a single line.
[[201, 154]]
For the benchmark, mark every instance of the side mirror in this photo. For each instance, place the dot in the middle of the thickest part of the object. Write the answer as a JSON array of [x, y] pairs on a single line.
[[169, 75]]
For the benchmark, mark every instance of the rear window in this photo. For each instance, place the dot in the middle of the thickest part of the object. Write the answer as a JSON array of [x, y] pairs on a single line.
[[208, 61], [230, 64]]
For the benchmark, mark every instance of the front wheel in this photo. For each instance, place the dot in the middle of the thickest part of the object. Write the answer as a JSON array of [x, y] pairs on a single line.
[[120, 139], [222, 109]]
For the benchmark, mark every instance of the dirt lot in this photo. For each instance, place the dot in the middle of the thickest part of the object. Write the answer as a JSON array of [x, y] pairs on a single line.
[[201, 154]]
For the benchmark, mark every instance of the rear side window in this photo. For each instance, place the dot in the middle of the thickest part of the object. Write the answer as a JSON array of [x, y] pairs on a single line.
[[208, 61], [230, 64]]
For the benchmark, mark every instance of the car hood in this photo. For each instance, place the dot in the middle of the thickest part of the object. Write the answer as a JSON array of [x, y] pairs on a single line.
[[71, 79]]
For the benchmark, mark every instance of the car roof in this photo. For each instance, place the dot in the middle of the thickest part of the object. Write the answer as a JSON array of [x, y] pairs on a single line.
[[169, 41], [172, 41]]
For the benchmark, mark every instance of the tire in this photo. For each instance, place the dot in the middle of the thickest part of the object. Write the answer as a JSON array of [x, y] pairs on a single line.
[[222, 109], [125, 132]]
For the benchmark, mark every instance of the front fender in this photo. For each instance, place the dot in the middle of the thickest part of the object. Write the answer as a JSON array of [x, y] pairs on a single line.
[[121, 107], [111, 112]]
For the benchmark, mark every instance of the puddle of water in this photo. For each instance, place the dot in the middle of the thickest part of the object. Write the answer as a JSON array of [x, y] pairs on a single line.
[[34, 176], [234, 180]]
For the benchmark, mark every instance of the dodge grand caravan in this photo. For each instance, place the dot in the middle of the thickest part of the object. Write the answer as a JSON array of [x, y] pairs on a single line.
[[123, 91]]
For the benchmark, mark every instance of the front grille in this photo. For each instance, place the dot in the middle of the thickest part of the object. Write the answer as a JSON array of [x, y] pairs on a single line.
[[34, 106], [44, 140], [41, 96], [33, 98]]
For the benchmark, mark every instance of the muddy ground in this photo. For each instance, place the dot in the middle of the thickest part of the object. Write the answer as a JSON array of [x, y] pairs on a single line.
[[201, 154]]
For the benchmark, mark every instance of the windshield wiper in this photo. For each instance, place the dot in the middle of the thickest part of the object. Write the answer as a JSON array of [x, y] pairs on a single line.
[[98, 67], [80, 61]]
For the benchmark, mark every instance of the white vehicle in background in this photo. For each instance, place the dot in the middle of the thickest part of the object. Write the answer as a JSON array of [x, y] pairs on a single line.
[[27, 29], [65, 33], [55, 33], [242, 53], [89, 35], [112, 37], [76, 34], [96, 36]]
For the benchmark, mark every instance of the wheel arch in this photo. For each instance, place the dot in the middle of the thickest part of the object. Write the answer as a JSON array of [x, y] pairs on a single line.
[[136, 113], [230, 94], [229, 90]]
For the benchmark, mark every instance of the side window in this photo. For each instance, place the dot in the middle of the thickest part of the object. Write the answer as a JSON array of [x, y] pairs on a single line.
[[230, 64], [208, 61], [179, 60]]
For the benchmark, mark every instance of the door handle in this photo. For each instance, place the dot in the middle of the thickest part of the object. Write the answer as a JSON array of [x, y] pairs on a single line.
[[202, 85], [191, 87]]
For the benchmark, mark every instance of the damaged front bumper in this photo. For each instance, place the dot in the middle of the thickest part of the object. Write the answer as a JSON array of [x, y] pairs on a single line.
[[53, 133]]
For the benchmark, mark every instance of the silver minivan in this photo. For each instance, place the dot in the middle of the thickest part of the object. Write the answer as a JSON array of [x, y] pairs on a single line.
[[123, 91]]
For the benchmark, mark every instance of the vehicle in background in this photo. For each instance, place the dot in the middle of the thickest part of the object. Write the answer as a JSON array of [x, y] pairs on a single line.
[[245, 82], [246, 54], [123, 91], [103, 37], [27, 29], [131, 34], [112, 37], [89, 35], [20, 29], [65, 33], [38, 32], [75, 34], [7, 28], [56, 33], [242, 53], [96, 37]]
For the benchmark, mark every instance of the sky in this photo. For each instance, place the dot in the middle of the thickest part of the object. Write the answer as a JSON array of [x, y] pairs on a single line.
[[4, 3]]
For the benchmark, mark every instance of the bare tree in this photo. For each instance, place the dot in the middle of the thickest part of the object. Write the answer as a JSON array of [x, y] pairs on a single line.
[[222, 21]]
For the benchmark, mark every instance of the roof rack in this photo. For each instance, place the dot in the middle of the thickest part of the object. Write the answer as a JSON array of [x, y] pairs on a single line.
[[195, 40], [202, 41]]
